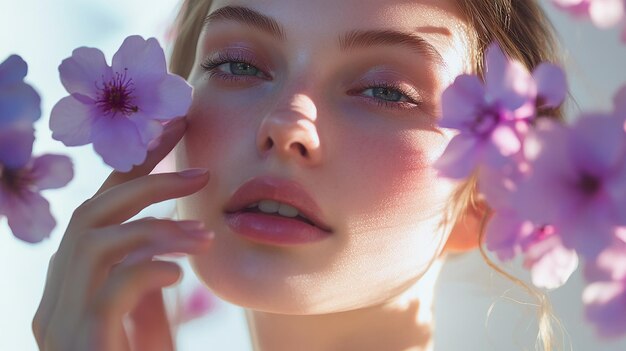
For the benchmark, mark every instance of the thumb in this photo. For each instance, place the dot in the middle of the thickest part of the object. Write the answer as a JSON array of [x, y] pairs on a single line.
[[150, 325]]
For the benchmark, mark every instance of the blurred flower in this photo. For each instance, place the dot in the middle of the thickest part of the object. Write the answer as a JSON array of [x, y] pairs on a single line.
[[577, 182], [492, 118], [119, 108], [21, 179], [549, 262], [19, 102], [605, 299], [199, 302], [603, 13]]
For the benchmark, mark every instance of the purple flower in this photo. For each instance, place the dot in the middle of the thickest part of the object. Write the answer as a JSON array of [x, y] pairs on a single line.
[[605, 299], [577, 181], [492, 118], [549, 262], [21, 179], [19, 102], [119, 108]]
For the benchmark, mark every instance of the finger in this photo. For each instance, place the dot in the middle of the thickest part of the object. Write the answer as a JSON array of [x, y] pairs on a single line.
[[172, 134], [125, 200], [45, 307], [97, 251], [151, 327], [126, 286]]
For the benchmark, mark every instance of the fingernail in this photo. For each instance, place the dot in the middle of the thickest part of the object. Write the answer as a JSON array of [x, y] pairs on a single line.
[[193, 172], [201, 234], [190, 225]]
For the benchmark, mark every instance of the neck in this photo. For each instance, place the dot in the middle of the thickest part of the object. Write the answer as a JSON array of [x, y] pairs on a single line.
[[403, 323]]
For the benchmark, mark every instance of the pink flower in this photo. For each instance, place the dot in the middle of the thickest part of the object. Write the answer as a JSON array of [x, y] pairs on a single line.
[[492, 118], [605, 299], [119, 108], [603, 13], [19, 102], [196, 304], [577, 181], [21, 179], [549, 262]]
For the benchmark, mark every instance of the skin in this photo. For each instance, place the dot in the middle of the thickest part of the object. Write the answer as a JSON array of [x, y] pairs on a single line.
[[300, 94], [370, 285]]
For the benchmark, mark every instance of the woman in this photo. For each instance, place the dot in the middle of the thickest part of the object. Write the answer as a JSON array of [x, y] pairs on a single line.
[[311, 139]]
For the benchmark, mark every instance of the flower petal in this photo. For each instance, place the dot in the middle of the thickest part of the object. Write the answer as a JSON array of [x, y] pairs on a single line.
[[503, 233], [551, 84], [52, 171], [610, 264], [460, 157], [170, 99], [84, 71], [16, 145], [507, 81], [550, 263], [462, 102], [71, 121], [143, 59], [605, 307], [505, 140], [118, 142], [29, 216], [149, 129], [597, 144], [19, 103], [606, 13], [13, 70]]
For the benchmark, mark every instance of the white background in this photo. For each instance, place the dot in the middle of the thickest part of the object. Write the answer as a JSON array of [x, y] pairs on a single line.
[[46, 32]]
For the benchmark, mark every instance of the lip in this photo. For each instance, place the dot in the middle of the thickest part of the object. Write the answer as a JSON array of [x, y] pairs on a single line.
[[275, 229]]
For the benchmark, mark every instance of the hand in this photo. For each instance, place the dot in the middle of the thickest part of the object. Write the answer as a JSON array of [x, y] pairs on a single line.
[[104, 272]]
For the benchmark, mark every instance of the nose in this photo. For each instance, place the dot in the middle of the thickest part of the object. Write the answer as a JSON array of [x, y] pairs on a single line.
[[290, 132]]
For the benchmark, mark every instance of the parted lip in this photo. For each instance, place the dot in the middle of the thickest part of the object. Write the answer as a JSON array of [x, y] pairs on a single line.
[[277, 189]]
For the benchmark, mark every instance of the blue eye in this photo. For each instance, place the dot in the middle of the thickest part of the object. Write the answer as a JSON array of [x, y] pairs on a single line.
[[232, 67], [240, 68], [389, 95]]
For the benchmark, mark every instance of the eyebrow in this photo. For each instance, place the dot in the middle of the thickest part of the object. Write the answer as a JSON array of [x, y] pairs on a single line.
[[365, 38], [249, 17], [352, 40]]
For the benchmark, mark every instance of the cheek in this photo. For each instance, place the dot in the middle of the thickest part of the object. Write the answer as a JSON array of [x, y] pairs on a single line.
[[213, 124], [390, 175]]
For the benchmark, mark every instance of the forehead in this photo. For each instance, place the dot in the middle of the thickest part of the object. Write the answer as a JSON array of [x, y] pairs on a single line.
[[333, 15], [318, 22]]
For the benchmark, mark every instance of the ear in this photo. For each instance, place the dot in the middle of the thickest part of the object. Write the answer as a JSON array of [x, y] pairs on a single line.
[[464, 235]]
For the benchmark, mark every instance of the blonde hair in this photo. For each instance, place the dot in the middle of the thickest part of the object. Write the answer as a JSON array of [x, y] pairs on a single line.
[[524, 33]]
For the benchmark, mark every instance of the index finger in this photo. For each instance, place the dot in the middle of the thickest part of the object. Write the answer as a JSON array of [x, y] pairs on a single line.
[[172, 133]]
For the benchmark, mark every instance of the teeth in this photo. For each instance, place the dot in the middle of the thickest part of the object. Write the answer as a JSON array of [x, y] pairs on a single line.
[[287, 211], [269, 206]]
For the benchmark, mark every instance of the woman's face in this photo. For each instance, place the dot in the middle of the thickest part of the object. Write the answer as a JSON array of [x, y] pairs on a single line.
[[334, 97]]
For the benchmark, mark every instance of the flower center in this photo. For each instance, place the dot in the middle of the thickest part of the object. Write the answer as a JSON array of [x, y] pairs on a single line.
[[486, 122], [15, 180], [589, 184], [116, 95]]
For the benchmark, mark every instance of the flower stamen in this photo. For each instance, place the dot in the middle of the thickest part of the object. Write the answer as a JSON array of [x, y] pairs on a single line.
[[116, 95]]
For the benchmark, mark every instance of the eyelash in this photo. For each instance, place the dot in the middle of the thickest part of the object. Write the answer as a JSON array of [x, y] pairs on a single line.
[[413, 100], [211, 64]]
